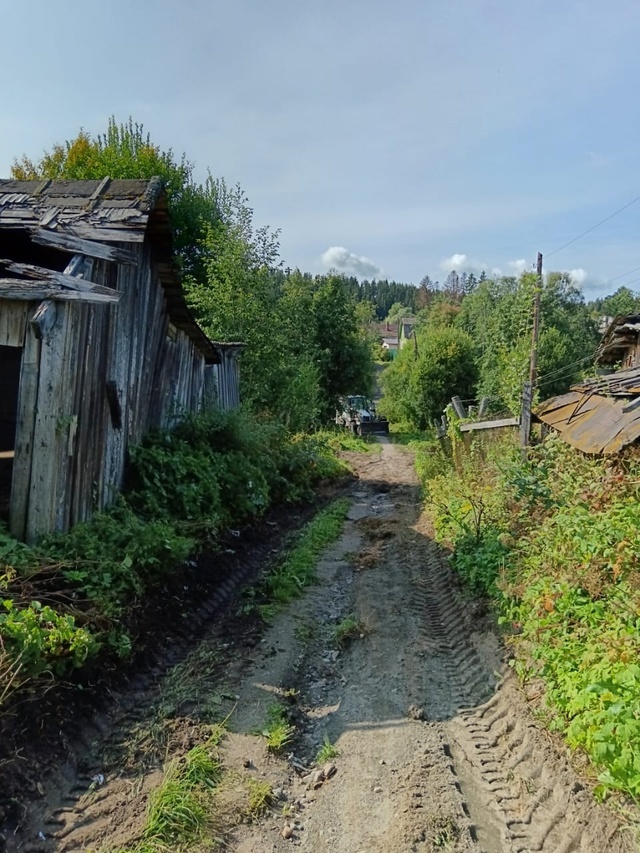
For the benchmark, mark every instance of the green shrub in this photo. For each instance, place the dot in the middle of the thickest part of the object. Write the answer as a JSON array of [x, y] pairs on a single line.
[[555, 539], [113, 557], [39, 639]]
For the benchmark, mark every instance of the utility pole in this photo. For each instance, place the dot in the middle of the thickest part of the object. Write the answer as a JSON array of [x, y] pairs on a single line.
[[533, 366], [529, 387]]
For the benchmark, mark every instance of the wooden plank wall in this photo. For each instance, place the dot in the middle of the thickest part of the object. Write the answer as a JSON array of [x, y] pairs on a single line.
[[73, 434], [227, 380], [13, 322]]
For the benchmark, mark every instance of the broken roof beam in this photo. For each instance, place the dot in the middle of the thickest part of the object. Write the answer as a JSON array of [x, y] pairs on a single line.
[[71, 282], [69, 243], [133, 234], [36, 291]]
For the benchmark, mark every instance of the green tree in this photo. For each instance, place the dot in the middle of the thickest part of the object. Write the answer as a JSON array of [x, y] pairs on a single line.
[[126, 151], [498, 316], [419, 384], [623, 301]]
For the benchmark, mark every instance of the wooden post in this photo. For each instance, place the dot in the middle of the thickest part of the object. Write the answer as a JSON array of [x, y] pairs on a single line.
[[525, 415], [458, 407], [535, 334], [484, 405], [529, 387]]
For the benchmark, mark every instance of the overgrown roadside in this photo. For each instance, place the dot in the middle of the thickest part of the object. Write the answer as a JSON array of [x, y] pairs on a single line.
[[372, 713]]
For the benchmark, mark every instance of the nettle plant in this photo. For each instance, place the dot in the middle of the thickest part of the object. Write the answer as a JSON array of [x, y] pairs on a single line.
[[555, 540]]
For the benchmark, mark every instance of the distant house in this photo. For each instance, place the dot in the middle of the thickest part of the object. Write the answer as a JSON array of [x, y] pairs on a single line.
[[601, 415], [97, 344]]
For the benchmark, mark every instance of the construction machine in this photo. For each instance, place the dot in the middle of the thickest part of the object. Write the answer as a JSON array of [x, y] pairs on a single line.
[[358, 414]]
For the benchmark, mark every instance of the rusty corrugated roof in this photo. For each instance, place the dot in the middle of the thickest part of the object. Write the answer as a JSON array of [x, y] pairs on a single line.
[[600, 415]]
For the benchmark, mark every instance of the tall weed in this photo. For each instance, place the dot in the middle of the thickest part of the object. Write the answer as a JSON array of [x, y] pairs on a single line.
[[555, 541]]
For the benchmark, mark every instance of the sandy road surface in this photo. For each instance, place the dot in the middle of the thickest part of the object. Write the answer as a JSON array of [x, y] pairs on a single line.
[[437, 747]]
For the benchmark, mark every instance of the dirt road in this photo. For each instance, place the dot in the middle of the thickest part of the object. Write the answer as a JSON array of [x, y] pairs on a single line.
[[438, 749]]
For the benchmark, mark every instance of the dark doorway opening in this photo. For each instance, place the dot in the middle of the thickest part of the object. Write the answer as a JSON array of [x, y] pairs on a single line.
[[10, 358]]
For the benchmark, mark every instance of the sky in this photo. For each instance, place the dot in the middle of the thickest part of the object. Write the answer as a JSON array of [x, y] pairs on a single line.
[[385, 138]]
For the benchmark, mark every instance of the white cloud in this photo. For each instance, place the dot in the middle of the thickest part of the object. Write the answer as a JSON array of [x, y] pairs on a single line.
[[455, 262], [519, 266], [579, 276], [337, 257], [461, 262]]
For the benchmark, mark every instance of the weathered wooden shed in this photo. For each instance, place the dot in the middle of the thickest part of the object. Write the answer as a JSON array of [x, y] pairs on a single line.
[[97, 344]]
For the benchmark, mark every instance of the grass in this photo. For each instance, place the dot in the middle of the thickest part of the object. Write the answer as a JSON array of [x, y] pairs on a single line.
[[296, 569], [260, 799], [181, 812], [277, 730], [341, 439], [190, 687], [349, 628], [326, 752], [402, 433]]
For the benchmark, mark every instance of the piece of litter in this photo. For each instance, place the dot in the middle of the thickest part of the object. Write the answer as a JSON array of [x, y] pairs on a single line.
[[98, 780], [42, 836]]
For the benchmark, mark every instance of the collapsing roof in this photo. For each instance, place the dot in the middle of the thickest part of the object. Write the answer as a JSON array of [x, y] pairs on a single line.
[[59, 213], [620, 336], [600, 415]]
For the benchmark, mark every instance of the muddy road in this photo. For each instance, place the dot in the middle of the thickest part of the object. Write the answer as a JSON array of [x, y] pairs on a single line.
[[385, 660]]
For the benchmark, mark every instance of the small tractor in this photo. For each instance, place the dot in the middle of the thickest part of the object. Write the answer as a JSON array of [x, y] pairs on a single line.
[[359, 415]]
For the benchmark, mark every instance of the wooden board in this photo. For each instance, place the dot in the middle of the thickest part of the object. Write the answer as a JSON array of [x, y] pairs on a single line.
[[504, 422], [69, 243], [13, 321], [14, 289], [115, 235]]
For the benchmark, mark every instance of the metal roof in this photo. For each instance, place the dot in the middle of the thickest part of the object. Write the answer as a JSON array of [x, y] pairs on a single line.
[[600, 415]]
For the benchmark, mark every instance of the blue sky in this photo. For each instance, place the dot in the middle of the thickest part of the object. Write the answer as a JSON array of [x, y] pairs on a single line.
[[396, 138]]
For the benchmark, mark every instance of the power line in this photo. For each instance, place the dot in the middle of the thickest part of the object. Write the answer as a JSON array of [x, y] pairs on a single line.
[[567, 368], [593, 228]]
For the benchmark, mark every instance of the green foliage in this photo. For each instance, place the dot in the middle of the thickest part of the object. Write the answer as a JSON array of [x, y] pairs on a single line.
[[498, 315], [349, 628], [623, 301], [181, 814], [555, 540], [419, 384], [277, 730], [327, 751], [41, 640], [297, 570], [112, 558], [305, 343]]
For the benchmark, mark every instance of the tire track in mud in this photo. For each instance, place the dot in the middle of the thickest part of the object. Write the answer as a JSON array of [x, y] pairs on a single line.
[[57, 809], [519, 791]]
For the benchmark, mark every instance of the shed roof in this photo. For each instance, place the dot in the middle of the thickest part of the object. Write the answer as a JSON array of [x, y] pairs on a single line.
[[109, 211], [600, 415]]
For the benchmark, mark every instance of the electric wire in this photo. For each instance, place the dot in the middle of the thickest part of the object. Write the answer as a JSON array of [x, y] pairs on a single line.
[[593, 228]]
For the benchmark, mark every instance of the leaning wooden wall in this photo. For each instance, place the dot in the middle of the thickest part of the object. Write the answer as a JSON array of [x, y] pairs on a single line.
[[101, 377]]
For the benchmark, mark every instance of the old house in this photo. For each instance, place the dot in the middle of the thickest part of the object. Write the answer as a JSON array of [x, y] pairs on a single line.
[[97, 344], [601, 415]]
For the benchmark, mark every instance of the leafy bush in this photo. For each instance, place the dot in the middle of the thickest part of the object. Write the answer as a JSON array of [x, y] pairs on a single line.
[[212, 470], [419, 384], [113, 557], [39, 639], [555, 539]]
